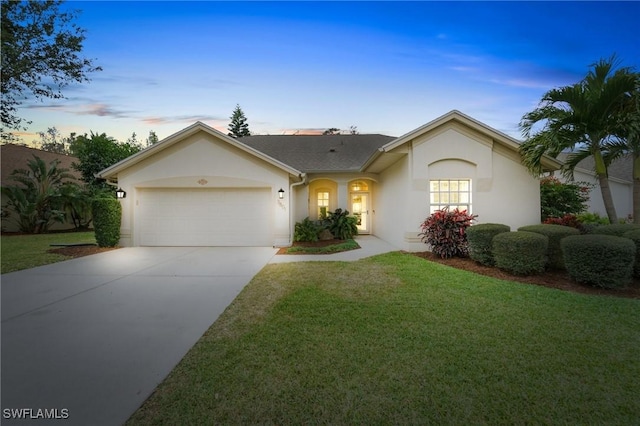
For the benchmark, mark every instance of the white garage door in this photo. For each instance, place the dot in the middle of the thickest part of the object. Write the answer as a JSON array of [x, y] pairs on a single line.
[[204, 217]]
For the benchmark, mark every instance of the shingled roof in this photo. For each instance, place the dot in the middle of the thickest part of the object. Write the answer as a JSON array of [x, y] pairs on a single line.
[[621, 168], [319, 153], [17, 156]]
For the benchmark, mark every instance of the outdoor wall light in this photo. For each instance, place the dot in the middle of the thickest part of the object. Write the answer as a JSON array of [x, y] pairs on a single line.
[[120, 194], [281, 194]]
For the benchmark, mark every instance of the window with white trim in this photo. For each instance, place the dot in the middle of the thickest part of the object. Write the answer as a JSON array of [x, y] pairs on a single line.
[[323, 203], [455, 193]]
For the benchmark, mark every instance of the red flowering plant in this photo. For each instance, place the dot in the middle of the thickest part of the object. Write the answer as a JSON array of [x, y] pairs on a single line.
[[445, 232], [566, 220]]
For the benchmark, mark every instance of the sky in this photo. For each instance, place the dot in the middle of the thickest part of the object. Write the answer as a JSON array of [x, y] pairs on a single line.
[[384, 67]]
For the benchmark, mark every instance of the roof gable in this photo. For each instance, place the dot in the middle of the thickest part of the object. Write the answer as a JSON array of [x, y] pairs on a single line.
[[506, 142], [112, 171]]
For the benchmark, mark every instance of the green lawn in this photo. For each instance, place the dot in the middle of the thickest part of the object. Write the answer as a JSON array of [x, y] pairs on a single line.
[[396, 339], [27, 251]]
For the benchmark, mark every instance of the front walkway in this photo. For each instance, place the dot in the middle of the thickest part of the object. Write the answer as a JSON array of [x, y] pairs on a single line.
[[369, 246]]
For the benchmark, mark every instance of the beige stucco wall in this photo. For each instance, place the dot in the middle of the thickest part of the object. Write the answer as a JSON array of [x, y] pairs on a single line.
[[621, 191], [203, 161], [392, 204], [502, 189]]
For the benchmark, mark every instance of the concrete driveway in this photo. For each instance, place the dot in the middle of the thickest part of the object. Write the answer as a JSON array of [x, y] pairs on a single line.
[[89, 339]]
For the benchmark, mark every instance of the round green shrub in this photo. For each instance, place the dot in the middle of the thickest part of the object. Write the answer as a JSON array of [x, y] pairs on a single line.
[[599, 260], [587, 228], [107, 213], [520, 252], [635, 237], [480, 237], [616, 229], [555, 233]]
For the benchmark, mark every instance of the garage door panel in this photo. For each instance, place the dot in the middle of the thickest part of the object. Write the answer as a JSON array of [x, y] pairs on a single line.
[[207, 217]]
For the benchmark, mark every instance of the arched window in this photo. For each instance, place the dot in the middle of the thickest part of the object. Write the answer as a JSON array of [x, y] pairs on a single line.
[[359, 185]]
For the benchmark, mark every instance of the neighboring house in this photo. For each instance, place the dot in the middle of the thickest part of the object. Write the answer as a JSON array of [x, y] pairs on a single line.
[[200, 187], [17, 157], [620, 182]]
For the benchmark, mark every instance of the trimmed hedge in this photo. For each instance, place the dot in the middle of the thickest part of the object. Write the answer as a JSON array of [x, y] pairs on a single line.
[[520, 252], [599, 260], [480, 237], [616, 229], [555, 233], [635, 237], [107, 213]]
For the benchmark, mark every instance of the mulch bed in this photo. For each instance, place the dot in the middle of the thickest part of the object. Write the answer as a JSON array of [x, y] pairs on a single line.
[[79, 251], [553, 279]]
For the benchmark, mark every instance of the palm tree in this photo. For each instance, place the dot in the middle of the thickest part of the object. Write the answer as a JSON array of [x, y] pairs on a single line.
[[36, 199], [628, 142], [580, 118]]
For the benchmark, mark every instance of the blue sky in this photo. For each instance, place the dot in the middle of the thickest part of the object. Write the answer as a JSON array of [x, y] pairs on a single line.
[[385, 67]]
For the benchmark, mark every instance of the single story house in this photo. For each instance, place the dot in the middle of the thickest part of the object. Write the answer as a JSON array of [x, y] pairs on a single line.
[[200, 187], [17, 157]]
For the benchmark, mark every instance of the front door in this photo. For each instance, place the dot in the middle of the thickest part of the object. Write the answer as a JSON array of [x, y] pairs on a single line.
[[360, 209]]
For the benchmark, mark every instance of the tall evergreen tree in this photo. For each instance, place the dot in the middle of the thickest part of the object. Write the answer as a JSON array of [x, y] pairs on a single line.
[[152, 139], [238, 126]]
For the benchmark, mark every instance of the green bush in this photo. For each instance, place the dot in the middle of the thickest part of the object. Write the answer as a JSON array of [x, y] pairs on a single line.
[[307, 230], [635, 237], [593, 218], [617, 229], [341, 225], [588, 228], [107, 213], [599, 260], [558, 199], [480, 237], [555, 233], [521, 252]]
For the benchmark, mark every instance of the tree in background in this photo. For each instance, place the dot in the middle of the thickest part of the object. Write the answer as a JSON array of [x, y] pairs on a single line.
[[152, 139], [133, 140], [238, 126], [353, 130], [331, 131], [97, 152], [581, 118], [52, 142], [41, 48]]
